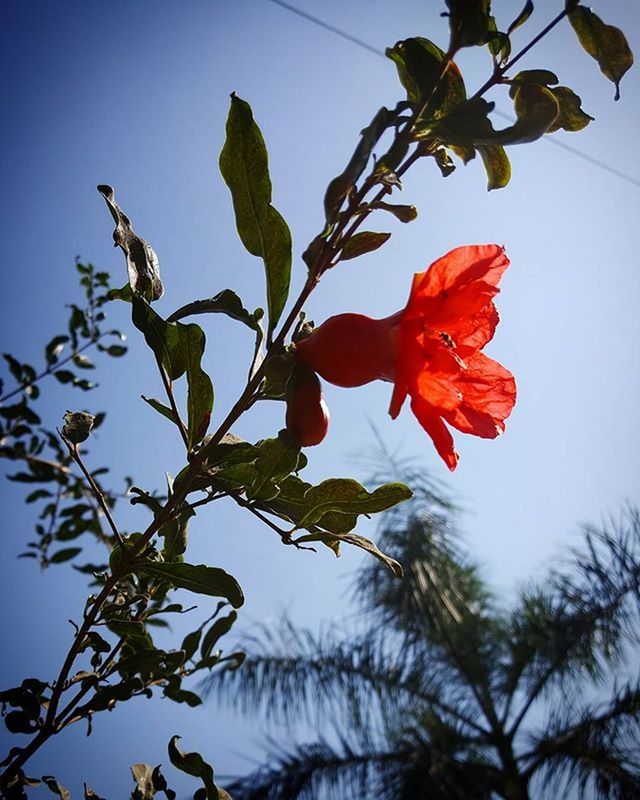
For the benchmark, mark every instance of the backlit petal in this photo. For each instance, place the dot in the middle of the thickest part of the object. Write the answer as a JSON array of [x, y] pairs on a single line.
[[457, 286], [488, 396], [430, 420]]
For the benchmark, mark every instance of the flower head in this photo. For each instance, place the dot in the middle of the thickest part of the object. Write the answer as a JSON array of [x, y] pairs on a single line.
[[430, 349]]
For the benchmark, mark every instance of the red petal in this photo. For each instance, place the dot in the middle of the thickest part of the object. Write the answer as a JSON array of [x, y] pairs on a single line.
[[472, 333], [457, 286], [430, 420], [488, 396]]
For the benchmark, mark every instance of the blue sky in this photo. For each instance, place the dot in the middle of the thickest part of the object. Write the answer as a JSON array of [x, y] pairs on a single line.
[[135, 94]]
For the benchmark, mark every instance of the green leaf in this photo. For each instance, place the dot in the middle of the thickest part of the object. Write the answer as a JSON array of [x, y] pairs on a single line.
[[219, 628], [64, 555], [263, 231], [160, 408], [276, 459], [419, 63], [469, 22], [605, 43], [522, 17], [225, 302], [194, 764], [200, 579], [333, 542], [403, 213], [142, 262], [342, 184], [77, 426], [571, 116], [361, 243], [125, 294], [199, 386], [162, 337], [349, 497], [497, 165], [536, 109]]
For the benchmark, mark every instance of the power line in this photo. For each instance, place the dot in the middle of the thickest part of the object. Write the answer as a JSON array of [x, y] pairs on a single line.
[[376, 51]]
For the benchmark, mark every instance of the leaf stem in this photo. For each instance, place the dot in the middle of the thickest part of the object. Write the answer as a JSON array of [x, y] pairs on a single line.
[[97, 492]]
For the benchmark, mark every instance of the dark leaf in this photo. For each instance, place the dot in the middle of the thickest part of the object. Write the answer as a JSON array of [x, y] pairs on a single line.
[[57, 788], [420, 64], [605, 43], [116, 350], [469, 22], [77, 426], [142, 261], [64, 376], [522, 17], [19, 722], [54, 348], [361, 243], [219, 628], [194, 764], [200, 579], [161, 336], [333, 542], [64, 555], [341, 185], [225, 302], [199, 386], [263, 231], [403, 213]]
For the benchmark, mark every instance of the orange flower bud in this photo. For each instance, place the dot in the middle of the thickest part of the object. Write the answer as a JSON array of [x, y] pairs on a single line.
[[307, 415]]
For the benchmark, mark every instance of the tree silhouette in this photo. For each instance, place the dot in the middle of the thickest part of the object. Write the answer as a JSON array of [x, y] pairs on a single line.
[[449, 693]]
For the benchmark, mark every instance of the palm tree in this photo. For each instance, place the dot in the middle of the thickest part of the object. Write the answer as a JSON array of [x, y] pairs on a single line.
[[444, 694]]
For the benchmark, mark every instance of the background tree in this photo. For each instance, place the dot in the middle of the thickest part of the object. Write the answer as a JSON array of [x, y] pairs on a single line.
[[448, 692]]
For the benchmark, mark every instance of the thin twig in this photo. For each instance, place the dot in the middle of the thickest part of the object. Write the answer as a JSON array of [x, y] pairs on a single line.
[[97, 492], [172, 402]]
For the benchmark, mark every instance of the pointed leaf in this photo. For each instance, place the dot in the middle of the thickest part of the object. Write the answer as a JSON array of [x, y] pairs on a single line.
[[403, 213], [497, 165], [194, 764], [219, 628], [160, 408], [605, 43], [349, 497], [333, 542], [361, 243], [522, 17], [200, 579], [225, 302], [341, 185], [142, 262], [263, 231], [199, 386], [161, 336], [571, 116]]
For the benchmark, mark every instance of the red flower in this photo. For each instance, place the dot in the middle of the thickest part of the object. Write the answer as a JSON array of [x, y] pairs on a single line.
[[430, 349]]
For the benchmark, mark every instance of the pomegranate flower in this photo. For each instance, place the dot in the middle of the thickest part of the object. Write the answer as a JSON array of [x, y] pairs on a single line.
[[430, 349]]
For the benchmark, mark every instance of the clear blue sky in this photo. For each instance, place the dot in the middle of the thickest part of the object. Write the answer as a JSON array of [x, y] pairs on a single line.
[[135, 94]]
